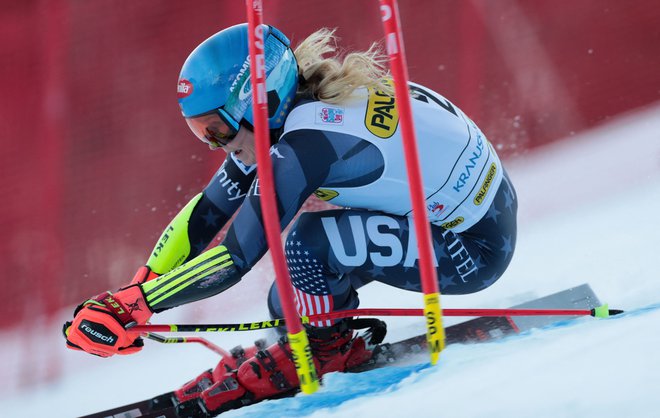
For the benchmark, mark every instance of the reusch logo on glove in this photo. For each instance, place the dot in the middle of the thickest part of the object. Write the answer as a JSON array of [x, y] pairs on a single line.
[[98, 333]]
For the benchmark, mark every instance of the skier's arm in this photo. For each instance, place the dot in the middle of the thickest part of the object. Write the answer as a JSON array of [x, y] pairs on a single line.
[[99, 324], [193, 228], [301, 163]]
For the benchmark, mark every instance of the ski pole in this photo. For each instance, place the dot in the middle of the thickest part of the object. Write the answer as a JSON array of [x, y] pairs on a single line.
[[206, 343], [598, 312]]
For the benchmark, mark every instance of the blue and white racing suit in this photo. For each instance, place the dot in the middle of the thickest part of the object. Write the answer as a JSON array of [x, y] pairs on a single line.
[[351, 155]]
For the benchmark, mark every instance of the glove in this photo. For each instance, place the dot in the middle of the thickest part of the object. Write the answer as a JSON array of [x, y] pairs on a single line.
[[99, 324], [144, 274]]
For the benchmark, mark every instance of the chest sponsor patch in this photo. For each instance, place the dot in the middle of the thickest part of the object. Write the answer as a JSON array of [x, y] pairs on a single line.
[[382, 116]]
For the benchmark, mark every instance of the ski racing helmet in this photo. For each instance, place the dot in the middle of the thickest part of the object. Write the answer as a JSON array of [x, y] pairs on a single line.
[[215, 90]]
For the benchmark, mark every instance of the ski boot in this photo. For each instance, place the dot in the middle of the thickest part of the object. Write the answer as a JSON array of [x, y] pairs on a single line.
[[185, 398], [271, 373]]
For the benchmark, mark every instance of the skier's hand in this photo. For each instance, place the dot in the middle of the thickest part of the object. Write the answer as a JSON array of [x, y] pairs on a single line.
[[99, 324]]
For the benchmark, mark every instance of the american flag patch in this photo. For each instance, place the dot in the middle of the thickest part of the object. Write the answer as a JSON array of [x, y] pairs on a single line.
[[312, 291]]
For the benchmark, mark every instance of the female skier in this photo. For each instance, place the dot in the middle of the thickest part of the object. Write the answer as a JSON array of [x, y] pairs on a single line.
[[334, 133]]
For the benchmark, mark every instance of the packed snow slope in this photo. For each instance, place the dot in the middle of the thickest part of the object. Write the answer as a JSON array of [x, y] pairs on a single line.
[[588, 214]]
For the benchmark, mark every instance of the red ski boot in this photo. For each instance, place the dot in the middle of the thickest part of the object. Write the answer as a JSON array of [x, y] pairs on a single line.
[[185, 398], [271, 373]]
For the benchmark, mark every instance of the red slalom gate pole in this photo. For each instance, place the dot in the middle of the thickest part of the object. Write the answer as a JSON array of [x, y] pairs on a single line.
[[302, 354], [435, 333]]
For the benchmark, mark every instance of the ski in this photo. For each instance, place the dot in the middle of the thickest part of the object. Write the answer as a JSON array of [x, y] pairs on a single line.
[[474, 331], [145, 408], [484, 329], [481, 329]]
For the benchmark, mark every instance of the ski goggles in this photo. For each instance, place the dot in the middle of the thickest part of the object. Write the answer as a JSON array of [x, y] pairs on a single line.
[[215, 128]]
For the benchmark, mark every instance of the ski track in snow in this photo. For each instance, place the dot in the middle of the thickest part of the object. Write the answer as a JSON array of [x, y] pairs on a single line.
[[588, 214]]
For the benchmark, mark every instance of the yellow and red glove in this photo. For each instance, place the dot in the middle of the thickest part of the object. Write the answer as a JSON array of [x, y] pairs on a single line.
[[99, 324]]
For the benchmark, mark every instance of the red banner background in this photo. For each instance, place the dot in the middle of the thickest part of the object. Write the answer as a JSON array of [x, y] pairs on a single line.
[[96, 158]]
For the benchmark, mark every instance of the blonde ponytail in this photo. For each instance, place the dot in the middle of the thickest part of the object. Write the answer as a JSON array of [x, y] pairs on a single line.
[[333, 80]]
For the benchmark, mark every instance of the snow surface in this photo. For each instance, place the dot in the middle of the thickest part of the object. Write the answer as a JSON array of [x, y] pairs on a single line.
[[588, 214]]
